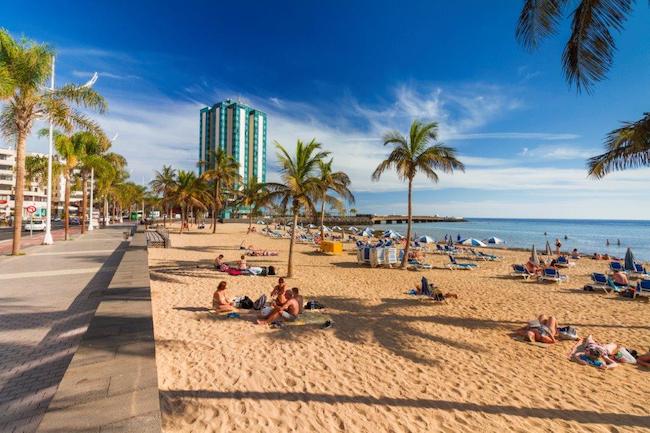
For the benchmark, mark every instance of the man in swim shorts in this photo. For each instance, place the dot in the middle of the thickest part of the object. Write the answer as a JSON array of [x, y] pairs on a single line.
[[288, 311]]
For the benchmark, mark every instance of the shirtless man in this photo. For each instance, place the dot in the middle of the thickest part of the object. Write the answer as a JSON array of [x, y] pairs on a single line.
[[298, 297], [288, 311]]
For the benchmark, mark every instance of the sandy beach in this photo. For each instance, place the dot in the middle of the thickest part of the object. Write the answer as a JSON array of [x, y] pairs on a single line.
[[391, 362]]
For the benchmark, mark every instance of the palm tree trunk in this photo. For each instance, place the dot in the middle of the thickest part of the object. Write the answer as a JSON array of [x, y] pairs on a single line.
[[214, 208], [292, 242], [250, 220], [408, 227], [84, 183], [19, 198], [66, 211], [322, 219], [106, 211]]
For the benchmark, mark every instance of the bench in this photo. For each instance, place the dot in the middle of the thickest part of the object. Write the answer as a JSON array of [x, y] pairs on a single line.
[[158, 238]]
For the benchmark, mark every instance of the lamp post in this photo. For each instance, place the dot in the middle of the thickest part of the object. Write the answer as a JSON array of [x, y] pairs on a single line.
[[47, 238], [91, 221]]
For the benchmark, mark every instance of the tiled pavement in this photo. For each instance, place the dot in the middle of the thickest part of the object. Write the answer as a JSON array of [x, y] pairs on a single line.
[[47, 299]]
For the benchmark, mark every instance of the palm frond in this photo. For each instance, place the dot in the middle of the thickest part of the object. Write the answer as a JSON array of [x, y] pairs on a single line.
[[589, 52], [627, 147], [538, 19]]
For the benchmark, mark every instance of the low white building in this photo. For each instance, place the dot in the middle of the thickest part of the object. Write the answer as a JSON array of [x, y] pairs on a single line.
[[35, 195]]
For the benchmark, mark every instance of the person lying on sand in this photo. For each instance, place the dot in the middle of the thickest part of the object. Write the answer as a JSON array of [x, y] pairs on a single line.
[[436, 293], [289, 311], [644, 360], [220, 301], [588, 351], [542, 330]]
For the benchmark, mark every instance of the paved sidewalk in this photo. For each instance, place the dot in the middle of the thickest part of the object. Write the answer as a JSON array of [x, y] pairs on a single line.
[[36, 239], [47, 299]]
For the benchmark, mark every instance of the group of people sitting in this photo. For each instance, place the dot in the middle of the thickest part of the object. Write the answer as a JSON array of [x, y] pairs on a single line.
[[241, 267], [598, 256], [587, 351], [286, 304]]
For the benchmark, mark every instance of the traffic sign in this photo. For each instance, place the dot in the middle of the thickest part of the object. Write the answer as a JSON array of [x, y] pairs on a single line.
[[31, 209]]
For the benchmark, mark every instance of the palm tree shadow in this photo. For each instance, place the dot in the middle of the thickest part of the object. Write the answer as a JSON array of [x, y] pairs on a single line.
[[354, 321]]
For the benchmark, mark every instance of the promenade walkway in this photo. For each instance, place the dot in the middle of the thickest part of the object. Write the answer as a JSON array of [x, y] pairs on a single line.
[[47, 299]]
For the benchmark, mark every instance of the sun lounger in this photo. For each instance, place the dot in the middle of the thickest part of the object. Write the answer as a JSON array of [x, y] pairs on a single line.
[[563, 262], [642, 288], [639, 272], [599, 282], [521, 271], [552, 274], [463, 266], [616, 267], [416, 264]]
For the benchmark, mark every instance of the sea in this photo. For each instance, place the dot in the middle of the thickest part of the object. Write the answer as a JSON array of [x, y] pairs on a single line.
[[588, 236]]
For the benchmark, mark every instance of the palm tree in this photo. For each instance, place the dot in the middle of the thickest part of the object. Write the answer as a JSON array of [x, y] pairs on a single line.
[[335, 181], [224, 174], [162, 184], [36, 170], [587, 58], [300, 183], [413, 154], [189, 193], [24, 69], [91, 157], [253, 196], [107, 174]]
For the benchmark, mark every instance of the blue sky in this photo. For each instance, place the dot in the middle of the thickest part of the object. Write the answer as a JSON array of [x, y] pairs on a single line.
[[347, 71]]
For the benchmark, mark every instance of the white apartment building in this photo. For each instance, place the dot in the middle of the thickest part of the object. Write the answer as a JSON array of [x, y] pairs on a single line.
[[34, 194]]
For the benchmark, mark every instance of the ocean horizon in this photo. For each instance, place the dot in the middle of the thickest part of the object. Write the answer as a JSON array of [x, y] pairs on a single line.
[[587, 235]]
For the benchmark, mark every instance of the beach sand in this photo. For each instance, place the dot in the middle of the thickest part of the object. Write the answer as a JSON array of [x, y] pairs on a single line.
[[391, 362]]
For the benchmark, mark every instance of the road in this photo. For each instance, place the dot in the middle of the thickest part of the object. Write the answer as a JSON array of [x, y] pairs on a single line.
[[7, 232]]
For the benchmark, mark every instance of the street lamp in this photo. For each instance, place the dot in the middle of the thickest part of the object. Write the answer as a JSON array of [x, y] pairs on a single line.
[[47, 238]]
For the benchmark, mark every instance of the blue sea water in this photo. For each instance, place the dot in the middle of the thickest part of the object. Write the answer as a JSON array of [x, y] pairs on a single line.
[[588, 236]]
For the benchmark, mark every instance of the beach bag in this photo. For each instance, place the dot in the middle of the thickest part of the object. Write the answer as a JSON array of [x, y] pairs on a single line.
[[313, 305], [224, 267], [271, 270], [232, 271], [261, 301], [568, 333], [246, 303], [265, 271]]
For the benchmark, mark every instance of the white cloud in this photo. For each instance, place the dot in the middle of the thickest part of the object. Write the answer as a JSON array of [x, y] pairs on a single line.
[[566, 151], [104, 74], [514, 136]]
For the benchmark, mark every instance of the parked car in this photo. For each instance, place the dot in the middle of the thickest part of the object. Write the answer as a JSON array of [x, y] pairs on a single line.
[[73, 221], [36, 225]]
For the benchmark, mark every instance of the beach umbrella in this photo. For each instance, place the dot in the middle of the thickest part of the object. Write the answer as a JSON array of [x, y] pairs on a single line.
[[326, 229], [337, 228], [629, 260], [353, 229], [548, 251], [367, 232], [311, 226], [426, 240], [473, 242], [495, 241], [533, 256], [391, 234]]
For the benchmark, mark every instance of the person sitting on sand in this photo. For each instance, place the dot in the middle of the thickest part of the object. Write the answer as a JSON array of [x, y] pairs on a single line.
[[597, 256], [298, 297], [289, 311], [220, 264], [620, 279], [220, 301], [279, 293], [242, 263], [575, 254], [542, 330]]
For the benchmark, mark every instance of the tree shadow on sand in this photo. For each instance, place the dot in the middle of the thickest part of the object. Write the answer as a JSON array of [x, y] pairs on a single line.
[[397, 332]]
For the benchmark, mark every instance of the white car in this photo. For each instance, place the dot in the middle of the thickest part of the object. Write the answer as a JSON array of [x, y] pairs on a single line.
[[36, 225]]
